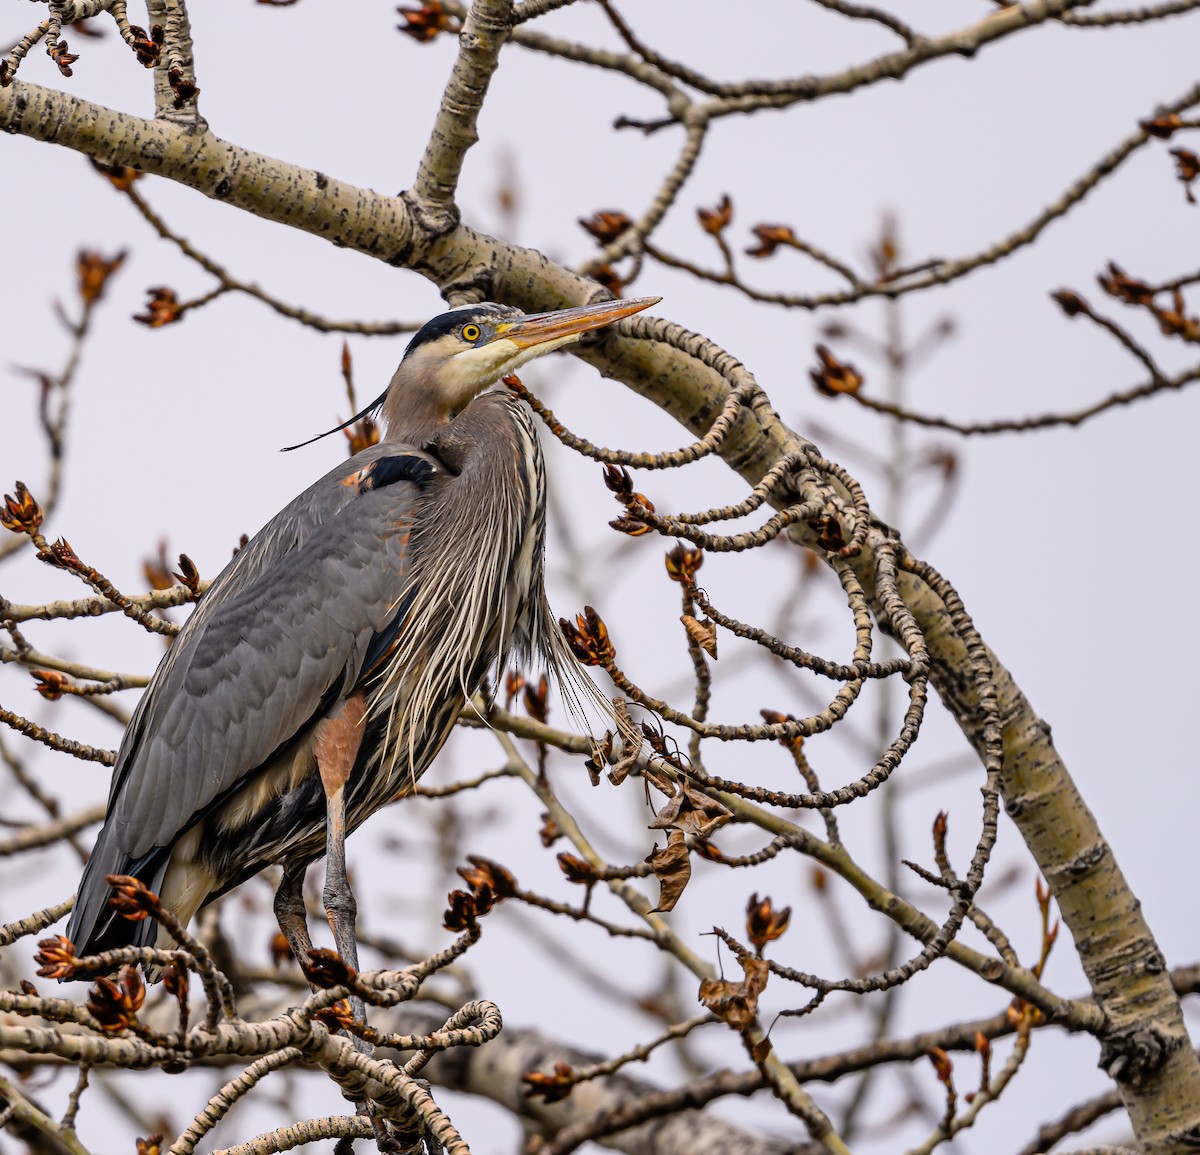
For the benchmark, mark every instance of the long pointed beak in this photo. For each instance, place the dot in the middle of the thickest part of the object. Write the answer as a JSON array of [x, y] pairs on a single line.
[[538, 328]]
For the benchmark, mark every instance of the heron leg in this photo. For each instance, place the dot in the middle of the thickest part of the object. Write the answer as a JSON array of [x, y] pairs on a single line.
[[289, 911], [340, 906], [338, 739]]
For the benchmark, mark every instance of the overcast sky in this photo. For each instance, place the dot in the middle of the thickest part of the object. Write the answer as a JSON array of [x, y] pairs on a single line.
[[1073, 550]]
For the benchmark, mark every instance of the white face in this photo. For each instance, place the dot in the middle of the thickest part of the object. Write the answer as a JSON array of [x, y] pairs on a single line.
[[474, 368]]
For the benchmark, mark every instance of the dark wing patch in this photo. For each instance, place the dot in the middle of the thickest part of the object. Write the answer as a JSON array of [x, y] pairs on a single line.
[[399, 467]]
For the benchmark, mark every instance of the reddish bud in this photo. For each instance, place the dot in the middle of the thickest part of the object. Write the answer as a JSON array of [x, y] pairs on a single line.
[[715, 221], [832, 376], [606, 225], [93, 271], [114, 1004], [163, 308], [56, 958], [423, 23], [682, 563], [764, 923], [21, 512], [588, 638], [770, 237]]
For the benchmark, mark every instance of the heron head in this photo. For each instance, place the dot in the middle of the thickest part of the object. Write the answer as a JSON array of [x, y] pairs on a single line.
[[456, 356]]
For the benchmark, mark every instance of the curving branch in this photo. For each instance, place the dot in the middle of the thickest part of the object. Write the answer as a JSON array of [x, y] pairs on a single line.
[[1038, 421]]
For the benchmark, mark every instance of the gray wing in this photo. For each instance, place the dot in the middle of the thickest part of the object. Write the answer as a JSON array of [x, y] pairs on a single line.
[[280, 635]]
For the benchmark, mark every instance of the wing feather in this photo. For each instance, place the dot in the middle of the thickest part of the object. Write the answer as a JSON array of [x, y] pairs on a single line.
[[289, 621]]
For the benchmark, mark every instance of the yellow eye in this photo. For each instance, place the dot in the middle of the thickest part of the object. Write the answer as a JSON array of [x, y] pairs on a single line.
[[470, 332]]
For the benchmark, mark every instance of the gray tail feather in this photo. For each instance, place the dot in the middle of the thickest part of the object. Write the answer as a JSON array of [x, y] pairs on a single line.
[[95, 927]]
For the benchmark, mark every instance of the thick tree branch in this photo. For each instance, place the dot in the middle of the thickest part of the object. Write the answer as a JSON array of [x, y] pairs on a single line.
[[454, 130], [360, 219]]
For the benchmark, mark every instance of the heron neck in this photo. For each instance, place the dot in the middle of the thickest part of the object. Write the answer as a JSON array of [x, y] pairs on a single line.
[[412, 420]]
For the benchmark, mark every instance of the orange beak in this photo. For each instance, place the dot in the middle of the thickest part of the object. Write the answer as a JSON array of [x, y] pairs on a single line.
[[538, 328]]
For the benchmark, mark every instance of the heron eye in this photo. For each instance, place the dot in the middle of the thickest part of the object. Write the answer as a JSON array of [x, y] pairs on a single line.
[[470, 332]]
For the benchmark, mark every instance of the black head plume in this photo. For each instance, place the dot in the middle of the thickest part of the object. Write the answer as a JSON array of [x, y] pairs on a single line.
[[370, 409]]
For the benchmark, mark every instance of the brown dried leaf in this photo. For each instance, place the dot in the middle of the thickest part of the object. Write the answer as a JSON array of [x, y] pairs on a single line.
[[692, 812], [598, 759], [625, 764], [703, 633], [673, 869], [737, 1003]]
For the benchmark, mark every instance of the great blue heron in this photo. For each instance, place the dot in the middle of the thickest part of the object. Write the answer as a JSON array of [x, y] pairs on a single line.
[[326, 665]]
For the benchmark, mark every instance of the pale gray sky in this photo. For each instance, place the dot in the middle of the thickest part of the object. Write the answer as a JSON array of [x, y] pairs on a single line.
[[1073, 550]]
